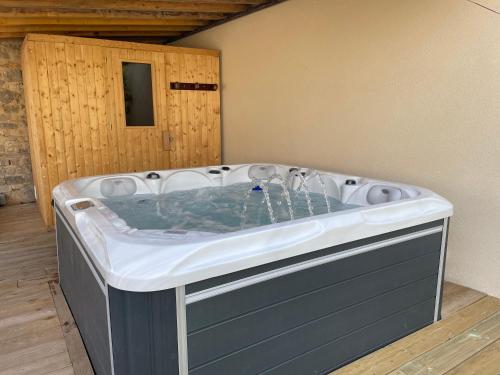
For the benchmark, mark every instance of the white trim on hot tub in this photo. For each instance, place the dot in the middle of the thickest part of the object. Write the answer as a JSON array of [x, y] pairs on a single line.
[[251, 280], [110, 336], [182, 348], [442, 258], [141, 261]]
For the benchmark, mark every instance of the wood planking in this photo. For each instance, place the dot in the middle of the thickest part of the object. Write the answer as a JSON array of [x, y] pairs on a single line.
[[31, 335], [154, 20], [184, 143], [70, 61], [173, 108], [110, 104], [128, 133], [34, 115], [457, 297], [46, 131], [201, 112], [392, 357], [117, 97], [89, 16], [76, 348], [203, 74], [193, 116], [119, 44], [56, 127], [37, 18], [191, 110], [102, 115], [159, 157], [486, 362], [84, 118], [452, 353], [145, 5], [76, 110], [216, 139], [135, 134], [28, 262], [90, 84], [65, 110], [138, 29]]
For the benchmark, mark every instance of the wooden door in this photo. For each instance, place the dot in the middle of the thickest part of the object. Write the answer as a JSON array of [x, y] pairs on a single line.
[[139, 148], [76, 110], [193, 116]]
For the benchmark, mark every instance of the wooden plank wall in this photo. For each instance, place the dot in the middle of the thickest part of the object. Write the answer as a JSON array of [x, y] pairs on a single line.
[[76, 116]]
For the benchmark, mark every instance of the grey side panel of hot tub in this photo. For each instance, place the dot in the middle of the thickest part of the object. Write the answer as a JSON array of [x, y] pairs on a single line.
[[309, 321], [209, 283], [85, 298], [358, 303], [144, 332]]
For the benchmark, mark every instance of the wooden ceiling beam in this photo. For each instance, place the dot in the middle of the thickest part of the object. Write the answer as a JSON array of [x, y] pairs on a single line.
[[48, 29], [129, 5], [104, 34], [28, 21], [249, 2], [125, 33], [163, 19], [246, 2], [13, 13], [230, 17]]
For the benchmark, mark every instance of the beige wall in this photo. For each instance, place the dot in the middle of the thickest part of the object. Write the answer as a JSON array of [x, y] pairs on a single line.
[[405, 90]]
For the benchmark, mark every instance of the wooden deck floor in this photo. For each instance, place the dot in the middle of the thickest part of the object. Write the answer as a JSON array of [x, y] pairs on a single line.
[[38, 335]]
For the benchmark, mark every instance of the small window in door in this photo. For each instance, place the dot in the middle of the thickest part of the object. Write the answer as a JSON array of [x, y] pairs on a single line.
[[138, 94]]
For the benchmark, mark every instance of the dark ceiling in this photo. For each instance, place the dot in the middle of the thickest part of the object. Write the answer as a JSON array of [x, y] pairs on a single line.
[[155, 21]]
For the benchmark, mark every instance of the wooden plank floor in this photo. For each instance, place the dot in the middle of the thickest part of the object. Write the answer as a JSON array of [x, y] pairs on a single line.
[[36, 327], [38, 335]]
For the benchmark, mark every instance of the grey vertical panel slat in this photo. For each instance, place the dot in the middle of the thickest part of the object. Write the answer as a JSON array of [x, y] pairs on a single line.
[[85, 299], [209, 283], [225, 306], [144, 332], [337, 353], [77, 241], [246, 330]]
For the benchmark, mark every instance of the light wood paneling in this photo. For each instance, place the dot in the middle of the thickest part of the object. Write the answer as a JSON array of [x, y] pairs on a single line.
[[118, 44], [75, 102], [194, 116]]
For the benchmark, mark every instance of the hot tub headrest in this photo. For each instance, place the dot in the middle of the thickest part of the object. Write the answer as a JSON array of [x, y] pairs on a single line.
[[118, 187]]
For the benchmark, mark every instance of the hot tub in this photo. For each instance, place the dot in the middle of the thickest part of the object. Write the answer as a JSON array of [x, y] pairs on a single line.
[[246, 269]]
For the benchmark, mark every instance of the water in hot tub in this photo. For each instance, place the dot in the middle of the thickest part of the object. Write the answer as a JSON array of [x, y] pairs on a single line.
[[220, 209]]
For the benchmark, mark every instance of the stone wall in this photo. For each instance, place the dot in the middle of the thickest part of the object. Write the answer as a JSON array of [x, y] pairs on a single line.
[[16, 181]]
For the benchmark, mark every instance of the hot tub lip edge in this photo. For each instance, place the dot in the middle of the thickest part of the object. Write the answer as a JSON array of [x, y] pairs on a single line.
[[117, 271], [121, 281]]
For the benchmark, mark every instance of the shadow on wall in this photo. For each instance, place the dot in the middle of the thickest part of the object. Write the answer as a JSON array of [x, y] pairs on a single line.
[[16, 183]]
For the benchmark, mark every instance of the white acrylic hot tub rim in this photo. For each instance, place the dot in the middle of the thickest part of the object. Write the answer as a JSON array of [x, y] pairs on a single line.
[[142, 260]]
